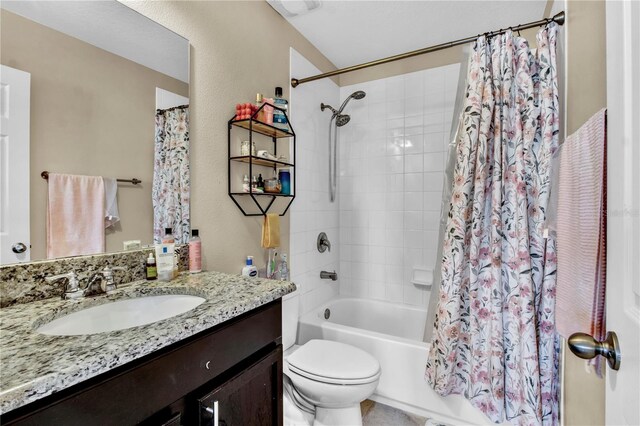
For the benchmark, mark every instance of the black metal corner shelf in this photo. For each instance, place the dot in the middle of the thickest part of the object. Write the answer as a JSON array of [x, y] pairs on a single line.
[[253, 125], [260, 161]]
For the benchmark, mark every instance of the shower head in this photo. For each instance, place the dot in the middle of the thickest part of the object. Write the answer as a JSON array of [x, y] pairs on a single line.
[[358, 95], [342, 119], [355, 95]]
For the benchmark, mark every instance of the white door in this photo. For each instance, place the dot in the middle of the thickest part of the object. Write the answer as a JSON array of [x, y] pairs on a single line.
[[14, 165], [623, 227]]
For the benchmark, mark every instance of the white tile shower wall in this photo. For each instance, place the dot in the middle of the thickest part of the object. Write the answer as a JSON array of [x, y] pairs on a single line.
[[391, 164], [311, 211]]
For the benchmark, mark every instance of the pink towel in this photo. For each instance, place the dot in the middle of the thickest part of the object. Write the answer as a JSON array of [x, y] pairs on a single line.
[[75, 215], [581, 231]]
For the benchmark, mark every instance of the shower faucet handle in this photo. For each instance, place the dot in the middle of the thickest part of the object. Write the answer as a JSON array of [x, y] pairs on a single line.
[[323, 243]]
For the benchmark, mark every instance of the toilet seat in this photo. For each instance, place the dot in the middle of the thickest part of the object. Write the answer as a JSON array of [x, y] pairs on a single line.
[[332, 381], [333, 362]]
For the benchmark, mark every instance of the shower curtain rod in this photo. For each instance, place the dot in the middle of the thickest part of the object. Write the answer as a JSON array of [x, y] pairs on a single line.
[[558, 19]]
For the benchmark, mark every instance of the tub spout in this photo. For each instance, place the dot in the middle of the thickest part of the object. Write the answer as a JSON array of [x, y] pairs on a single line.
[[329, 275]]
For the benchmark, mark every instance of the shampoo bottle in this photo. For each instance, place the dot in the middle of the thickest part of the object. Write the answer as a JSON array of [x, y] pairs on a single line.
[[250, 270], [195, 252]]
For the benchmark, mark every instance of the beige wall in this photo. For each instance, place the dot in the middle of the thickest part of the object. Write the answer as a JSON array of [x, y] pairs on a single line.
[[237, 49], [92, 112], [441, 58], [584, 398]]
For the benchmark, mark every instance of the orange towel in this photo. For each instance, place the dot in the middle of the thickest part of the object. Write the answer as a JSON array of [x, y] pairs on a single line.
[[75, 215], [271, 231], [581, 231]]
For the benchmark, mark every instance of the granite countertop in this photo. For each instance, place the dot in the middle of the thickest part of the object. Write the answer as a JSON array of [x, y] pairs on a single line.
[[35, 365]]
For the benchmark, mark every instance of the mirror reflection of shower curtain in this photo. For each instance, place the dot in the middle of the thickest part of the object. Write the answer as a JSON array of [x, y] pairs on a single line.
[[446, 191], [171, 178]]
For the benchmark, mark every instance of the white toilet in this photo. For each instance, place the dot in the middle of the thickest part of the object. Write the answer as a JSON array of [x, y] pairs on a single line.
[[324, 381]]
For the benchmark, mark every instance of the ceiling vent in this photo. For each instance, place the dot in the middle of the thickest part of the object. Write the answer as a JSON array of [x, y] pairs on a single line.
[[291, 8]]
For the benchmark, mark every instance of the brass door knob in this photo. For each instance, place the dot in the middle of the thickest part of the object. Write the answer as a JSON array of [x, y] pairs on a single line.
[[585, 346]]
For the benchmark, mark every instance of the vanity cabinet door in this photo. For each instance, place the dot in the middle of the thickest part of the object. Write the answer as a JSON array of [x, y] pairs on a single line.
[[252, 398]]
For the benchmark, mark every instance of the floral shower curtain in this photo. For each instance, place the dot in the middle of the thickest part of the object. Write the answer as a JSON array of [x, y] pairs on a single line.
[[494, 339], [171, 180]]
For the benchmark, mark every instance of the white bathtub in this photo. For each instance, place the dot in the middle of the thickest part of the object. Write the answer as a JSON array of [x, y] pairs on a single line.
[[393, 334]]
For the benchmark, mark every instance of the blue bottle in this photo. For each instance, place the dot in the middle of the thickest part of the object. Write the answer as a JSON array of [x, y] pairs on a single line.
[[279, 118], [285, 181]]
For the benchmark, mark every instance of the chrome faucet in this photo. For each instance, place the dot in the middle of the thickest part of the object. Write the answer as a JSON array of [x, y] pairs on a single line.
[[71, 287], [329, 275], [323, 243], [107, 283]]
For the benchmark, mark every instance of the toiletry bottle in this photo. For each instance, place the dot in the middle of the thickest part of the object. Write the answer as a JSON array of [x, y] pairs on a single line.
[[170, 239], [268, 110], [250, 270], [259, 101], [246, 184], [150, 269], [283, 268], [245, 148], [168, 236], [285, 181], [165, 261], [279, 118], [195, 252], [260, 183]]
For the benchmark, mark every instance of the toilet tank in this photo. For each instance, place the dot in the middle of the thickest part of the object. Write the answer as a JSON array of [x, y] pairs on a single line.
[[290, 313]]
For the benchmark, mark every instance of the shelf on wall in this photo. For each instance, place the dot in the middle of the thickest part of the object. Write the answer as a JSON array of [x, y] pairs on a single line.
[[260, 161], [271, 194], [259, 204], [262, 128]]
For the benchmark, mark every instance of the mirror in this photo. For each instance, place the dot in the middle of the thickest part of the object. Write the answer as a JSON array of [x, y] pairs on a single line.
[[95, 74]]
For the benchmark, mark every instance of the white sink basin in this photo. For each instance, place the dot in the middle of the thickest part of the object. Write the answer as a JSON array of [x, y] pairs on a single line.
[[120, 315]]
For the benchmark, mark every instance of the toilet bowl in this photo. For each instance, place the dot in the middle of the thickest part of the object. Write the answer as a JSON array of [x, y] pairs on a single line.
[[324, 381], [332, 377]]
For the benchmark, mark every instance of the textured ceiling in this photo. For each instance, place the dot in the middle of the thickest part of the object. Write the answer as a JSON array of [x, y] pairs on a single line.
[[113, 27], [351, 32]]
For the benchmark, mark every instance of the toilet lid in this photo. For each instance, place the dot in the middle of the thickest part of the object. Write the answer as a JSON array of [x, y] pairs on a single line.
[[334, 361]]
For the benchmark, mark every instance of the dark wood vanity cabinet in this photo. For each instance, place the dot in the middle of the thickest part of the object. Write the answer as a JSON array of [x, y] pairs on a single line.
[[232, 371], [252, 397]]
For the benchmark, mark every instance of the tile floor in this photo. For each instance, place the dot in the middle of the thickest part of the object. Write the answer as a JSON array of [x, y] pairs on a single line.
[[376, 414]]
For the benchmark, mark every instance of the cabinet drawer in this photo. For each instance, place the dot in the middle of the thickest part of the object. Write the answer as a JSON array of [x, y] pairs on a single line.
[[138, 389]]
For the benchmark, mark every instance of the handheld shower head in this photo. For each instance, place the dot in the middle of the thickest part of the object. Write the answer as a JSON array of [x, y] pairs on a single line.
[[355, 95], [358, 95]]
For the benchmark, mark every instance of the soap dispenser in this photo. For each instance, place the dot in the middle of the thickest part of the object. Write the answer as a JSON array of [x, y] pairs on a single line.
[[250, 270]]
